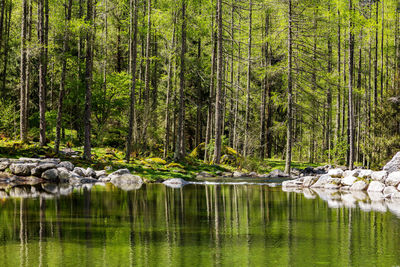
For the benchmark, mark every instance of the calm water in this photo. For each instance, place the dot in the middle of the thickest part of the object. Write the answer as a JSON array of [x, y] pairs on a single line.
[[199, 225]]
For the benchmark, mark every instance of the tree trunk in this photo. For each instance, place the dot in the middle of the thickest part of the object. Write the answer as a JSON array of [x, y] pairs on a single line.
[[147, 76], [247, 118], [351, 118], [289, 93], [218, 95], [264, 93], [23, 96], [180, 144], [68, 9], [133, 58], [88, 80]]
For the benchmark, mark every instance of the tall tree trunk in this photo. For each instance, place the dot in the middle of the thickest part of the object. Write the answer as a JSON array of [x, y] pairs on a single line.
[[68, 9], [289, 94], [23, 96], [147, 76], [218, 95], [180, 144], [264, 93], [351, 77], [6, 45], [133, 57], [247, 119], [382, 50], [42, 36], [89, 79]]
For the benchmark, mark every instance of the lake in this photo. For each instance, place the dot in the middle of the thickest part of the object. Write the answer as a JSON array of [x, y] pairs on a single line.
[[197, 225]]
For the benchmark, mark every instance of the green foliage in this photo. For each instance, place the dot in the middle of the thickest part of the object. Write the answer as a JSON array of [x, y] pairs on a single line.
[[8, 118]]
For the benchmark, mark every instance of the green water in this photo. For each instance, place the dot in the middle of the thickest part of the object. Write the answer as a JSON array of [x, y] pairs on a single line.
[[199, 225]]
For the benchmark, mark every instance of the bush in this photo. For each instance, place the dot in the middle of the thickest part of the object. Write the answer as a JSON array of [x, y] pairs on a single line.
[[8, 118]]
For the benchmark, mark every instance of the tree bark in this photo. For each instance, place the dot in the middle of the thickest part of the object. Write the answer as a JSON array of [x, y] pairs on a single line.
[[23, 96], [351, 77], [289, 94], [247, 118]]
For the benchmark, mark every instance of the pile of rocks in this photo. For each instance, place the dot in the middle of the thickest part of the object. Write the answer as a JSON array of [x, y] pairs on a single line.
[[386, 181]]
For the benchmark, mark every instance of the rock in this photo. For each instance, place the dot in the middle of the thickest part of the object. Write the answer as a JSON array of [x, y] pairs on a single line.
[[50, 175], [22, 169], [64, 174], [104, 179], [108, 168], [238, 174], [88, 181], [337, 173], [66, 164], [226, 174], [376, 186], [365, 174], [90, 172], [309, 181], [41, 168], [353, 173], [252, 174], [277, 173], [376, 196], [100, 173], [349, 180], [50, 188], [321, 181], [379, 176], [201, 175], [127, 181], [396, 195], [389, 190], [293, 183], [393, 179], [332, 183], [4, 165], [80, 171], [345, 188], [175, 183], [119, 173], [393, 165], [359, 186], [309, 194]]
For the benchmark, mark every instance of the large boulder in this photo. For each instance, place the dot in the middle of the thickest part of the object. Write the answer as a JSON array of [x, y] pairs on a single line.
[[175, 182], [365, 174], [90, 172], [309, 181], [4, 164], [389, 190], [332, 183], [293, 183], [127, 182], [22, 169], [379, 176], [41, 168], [51, 175], [321, 181], [66, 164], [394, 164], [118, 173], [393, 179], [336, 173], [359, 186], [80, 171], [353, 173], [376, 186], [349, 180], [278, 173]]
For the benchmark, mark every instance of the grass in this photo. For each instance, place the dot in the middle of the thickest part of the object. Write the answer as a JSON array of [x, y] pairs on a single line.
[[148, 168]]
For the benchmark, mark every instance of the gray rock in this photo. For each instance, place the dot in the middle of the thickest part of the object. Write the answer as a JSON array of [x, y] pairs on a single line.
[[50, 175], [354, 173], [379, 176], [66, 164], [119, 173], [394, 164], [175, 182], [104, 179], [396, 195], [90, 173], [309, 181], [393, 179], [253, 174], [359, 186], [64, 174], [41, 168], [237, 174], [50, 188], [365, 174], [337, 173], [80, 171], [321, 181], [100, 173], [389, 190], [88, 181], [127, 181], [203, 174], [293, 183], [22, 169], [376, 186], [227, 174], [349, 180], [4, 165], [278, 173]]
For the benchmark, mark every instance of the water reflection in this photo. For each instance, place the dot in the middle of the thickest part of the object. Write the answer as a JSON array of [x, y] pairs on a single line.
[[199, 225]]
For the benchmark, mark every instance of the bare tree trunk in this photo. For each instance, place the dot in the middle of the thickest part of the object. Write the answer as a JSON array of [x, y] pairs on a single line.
[[180, 144], [246, 129], [68, 9], [147, 76], [264, 93], [289, 92], [218, 96], [133, 7], [167, 104], [42, 72], [351, 117], [23, 107], [6, 45], [337, 135], [88, 80]]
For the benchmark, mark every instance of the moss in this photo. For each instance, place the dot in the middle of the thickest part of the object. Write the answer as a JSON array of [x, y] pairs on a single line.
[[175, 165], [156, 160]]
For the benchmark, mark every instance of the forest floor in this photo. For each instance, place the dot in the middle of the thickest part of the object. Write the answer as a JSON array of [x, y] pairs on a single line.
[[150, 168]]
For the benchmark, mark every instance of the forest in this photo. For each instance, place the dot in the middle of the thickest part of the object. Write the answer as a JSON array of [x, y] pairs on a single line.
[[299, 80]]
